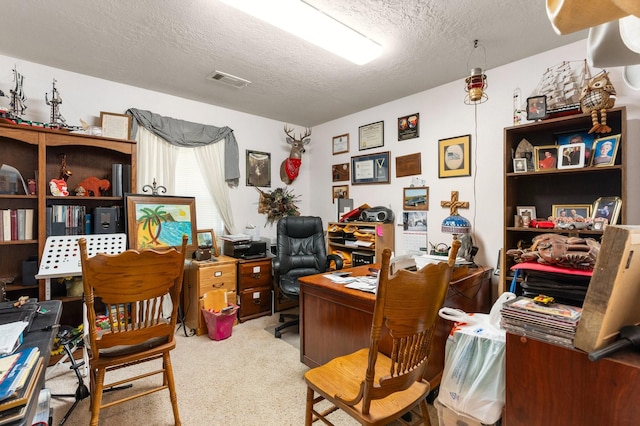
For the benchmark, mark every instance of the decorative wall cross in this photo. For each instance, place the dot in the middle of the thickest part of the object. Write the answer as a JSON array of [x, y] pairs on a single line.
[[454, 204]]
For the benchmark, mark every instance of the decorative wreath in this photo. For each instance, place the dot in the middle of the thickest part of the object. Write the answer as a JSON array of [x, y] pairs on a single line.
[[278, 203]]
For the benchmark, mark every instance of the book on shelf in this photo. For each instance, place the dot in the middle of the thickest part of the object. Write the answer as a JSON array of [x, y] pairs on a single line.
[[6, 224]]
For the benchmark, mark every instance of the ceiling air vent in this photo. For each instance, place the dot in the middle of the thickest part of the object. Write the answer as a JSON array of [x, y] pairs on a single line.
[[229, 80]]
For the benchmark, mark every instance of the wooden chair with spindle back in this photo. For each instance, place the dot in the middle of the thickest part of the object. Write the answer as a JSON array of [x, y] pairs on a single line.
[[377, 388], [133, 286]]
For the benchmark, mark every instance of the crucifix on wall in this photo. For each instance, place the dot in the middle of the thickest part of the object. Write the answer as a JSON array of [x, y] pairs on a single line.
[[454, 204]]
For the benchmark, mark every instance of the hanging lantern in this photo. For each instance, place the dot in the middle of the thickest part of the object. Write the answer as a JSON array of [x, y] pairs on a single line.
[[476, 83]]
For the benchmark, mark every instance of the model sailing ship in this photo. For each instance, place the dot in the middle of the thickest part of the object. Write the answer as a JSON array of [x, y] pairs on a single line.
[[17, 107], [561, 84]]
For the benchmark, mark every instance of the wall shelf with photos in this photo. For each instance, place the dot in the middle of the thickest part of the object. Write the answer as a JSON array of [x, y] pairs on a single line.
[[546, 188]]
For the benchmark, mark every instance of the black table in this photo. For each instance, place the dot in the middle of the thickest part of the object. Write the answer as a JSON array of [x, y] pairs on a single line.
[[43, 331]]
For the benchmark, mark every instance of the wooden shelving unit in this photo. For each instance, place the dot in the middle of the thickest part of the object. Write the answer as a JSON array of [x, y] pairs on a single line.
[[545, 188], [36, 153]]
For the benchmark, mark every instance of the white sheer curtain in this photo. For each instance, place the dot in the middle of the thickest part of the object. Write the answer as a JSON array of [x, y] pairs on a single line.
[[156, 159], [211, 162]]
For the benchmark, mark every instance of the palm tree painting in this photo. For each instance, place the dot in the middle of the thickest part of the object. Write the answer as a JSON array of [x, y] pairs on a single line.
[[160, 224]]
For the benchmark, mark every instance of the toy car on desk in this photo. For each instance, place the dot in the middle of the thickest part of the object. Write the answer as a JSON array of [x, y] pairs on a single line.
[[540, 223], [543, 299]]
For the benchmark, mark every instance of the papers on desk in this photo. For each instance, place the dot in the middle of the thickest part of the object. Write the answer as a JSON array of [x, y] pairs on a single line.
[[10, 336], [364, 283], [426, 259]]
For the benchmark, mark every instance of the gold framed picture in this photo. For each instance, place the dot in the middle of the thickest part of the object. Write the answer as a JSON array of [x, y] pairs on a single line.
[[454, 156]]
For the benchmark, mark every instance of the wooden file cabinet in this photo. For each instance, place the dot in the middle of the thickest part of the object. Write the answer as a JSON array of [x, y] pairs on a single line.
[[201, 277], [254, 288]]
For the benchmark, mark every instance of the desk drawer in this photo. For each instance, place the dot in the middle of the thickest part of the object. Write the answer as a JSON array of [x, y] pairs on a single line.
[[254, 274], [254, 303], [222, 276]]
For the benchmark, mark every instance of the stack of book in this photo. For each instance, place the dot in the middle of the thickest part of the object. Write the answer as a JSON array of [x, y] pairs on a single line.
[[18, 378], [554, 323]]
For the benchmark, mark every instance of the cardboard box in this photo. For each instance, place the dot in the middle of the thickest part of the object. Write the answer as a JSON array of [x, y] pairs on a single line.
[[614, 290]]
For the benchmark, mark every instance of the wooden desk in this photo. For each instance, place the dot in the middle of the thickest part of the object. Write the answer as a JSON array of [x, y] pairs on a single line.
[[552, 385], [335, 320], [43, 331]]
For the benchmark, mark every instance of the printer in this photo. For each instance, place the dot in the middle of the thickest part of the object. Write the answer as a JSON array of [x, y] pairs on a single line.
[[245, 249]]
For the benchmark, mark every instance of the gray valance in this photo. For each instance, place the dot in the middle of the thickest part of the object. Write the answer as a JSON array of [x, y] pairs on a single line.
[[191, 135]]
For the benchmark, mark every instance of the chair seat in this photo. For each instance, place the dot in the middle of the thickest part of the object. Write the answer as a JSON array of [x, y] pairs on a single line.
[[122, 350], [342, 377]]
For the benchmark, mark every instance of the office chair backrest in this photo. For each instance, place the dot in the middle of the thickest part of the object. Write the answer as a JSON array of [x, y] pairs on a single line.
[[301, 245], [133, 286], [407, 305]]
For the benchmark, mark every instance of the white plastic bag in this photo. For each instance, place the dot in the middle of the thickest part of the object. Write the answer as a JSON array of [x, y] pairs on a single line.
[[473, 377]]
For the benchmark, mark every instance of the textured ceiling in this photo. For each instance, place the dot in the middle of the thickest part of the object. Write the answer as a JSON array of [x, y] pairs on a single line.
[[171, 46]]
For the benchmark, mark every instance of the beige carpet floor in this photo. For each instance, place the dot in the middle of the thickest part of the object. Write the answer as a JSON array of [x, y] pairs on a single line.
[[251, 378]]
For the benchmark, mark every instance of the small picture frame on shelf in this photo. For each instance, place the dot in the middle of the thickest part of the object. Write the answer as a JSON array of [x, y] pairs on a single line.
[[526, 211], [116, 126], [520, 165], [545, 157], [573, 212], [536, 107], [604, 151], [571, 156], [607, 209]]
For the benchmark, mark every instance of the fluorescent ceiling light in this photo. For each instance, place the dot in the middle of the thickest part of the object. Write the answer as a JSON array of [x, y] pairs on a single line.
[[309, 23]]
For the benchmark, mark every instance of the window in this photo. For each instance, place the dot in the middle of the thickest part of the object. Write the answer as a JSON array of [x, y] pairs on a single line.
[[189, 183]]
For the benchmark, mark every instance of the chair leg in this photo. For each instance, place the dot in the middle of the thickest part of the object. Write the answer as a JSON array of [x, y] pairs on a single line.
[[96, 396], [172, 387], [426, 420], [308, 415], [278, 329]]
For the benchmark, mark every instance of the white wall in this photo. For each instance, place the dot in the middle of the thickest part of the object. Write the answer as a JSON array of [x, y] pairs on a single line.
[[84, 97], [443, 114]]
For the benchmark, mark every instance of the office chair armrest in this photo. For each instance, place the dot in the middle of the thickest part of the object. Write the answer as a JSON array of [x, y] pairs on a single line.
[[275, 265], [335, 258]]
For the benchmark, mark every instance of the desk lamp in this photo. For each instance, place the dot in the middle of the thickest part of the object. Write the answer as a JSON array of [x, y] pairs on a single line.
[[454, 223]]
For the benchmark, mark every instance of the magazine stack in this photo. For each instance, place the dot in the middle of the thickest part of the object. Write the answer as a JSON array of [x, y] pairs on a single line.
[[554, 322]]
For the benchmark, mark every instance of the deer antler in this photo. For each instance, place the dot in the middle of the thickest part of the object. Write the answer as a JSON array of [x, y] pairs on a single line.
[[289, 132]]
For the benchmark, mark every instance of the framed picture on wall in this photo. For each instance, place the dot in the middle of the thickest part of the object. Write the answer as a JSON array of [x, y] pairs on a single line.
[[454, 156], [340, 144], [258, 169], [371, 168], [160, 221]]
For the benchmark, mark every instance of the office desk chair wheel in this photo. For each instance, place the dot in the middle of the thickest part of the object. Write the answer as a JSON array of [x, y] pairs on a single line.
[[295, 321], [69, 340]]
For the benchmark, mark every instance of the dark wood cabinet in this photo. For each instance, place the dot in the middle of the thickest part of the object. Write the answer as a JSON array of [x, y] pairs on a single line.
[[254, 288], [545, 188], [552, 385]]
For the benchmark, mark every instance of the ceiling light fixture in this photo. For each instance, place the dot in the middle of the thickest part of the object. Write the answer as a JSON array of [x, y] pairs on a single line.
[[313, 25], [477, 81]]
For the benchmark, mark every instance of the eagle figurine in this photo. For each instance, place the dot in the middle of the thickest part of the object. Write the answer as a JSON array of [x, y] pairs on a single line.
[[598, 95]]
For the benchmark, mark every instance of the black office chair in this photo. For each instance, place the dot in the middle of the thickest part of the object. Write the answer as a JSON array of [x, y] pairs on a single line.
[[301, 251]]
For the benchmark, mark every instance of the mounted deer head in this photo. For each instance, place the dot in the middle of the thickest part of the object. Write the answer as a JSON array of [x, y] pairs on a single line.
[[290, 167]]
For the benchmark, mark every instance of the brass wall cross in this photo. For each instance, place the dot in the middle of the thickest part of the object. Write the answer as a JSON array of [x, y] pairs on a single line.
[[454, 204]]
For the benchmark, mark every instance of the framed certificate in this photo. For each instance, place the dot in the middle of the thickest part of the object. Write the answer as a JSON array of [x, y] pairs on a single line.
[[340, 144], [371, 168], [116, 126], [371, 135]]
